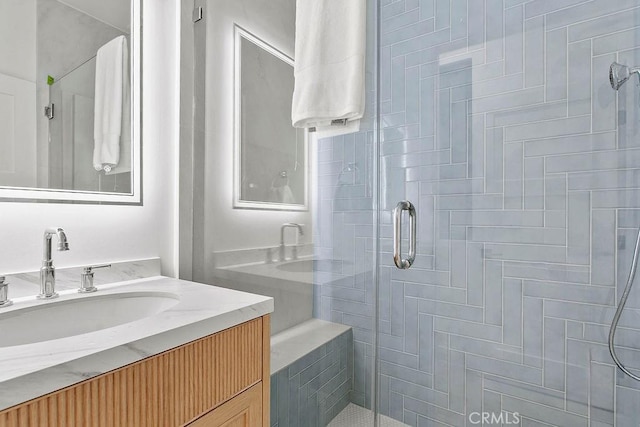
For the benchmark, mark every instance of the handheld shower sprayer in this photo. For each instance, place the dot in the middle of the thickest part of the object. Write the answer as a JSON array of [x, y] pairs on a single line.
[[618, 75]]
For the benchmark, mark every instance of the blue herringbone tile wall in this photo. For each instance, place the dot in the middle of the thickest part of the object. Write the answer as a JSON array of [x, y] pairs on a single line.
[[314, 389], [497, 120]]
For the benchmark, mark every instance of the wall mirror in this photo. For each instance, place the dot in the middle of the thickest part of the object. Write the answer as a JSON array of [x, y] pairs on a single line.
[[70, 101], [271, 155]]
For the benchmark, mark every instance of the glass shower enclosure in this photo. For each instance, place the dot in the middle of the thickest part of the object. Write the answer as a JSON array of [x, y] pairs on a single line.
[[497, 121]]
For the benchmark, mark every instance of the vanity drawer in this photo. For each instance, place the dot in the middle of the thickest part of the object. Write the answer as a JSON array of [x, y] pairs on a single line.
[[244, 410], [169, 389]]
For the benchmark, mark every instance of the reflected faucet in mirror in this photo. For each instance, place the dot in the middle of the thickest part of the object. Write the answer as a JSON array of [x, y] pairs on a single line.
[[294, 250], [47, 272], [4, 293]]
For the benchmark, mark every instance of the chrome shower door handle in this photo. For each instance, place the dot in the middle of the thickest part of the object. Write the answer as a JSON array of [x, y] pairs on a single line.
[[400, 262]]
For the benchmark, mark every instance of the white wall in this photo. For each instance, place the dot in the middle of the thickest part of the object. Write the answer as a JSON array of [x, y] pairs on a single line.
[[17, 92], [112, 12], [57, 25], [18, 38], [112, 233]]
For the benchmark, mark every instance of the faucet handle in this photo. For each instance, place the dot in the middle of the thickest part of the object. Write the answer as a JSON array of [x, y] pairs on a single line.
[[4, 293], [89, 269], [86, 278]]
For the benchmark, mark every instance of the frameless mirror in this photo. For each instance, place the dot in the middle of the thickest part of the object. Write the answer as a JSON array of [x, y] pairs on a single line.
[[70, 100], [271, 155]]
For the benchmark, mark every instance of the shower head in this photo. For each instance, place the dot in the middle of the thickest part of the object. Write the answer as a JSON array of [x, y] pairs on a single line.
[[619, 74]]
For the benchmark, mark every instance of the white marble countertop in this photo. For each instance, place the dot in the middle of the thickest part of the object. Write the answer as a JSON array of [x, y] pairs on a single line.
[[31, 370]]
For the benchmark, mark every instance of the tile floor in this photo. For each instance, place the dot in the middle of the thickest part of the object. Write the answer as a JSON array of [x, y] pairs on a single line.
[[357, 416]]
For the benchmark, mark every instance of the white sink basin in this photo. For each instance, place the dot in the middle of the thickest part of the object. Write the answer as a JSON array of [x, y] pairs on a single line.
[[79, 315]]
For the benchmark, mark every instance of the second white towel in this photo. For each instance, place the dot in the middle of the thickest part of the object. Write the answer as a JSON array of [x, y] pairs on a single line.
[[329, 62], [111, 103]]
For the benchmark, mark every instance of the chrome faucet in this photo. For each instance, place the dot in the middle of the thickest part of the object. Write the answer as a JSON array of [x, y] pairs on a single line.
[[284, 226], [48, 272]]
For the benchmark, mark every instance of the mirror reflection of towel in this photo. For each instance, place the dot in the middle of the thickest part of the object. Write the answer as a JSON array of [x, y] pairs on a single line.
[[282, 194], [111, 102]]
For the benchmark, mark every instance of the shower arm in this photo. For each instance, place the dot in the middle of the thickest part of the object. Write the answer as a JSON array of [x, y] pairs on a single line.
[[635, 71]]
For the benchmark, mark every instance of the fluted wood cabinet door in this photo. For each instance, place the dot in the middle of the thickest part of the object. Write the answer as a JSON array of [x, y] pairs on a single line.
[[244, 410], [171, 389]]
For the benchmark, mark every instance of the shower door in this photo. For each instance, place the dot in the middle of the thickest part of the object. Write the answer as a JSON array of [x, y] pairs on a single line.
[[497, 121]]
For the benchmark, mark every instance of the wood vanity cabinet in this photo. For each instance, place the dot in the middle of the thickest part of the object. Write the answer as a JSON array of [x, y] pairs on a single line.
[[219, 380]]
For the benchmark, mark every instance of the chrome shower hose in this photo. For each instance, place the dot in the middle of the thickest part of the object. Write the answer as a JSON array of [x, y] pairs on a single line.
[[623, 302]]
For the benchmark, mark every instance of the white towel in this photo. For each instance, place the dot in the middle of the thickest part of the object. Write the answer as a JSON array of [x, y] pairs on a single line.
[[282, 195], [112, 103], [329, 62]]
